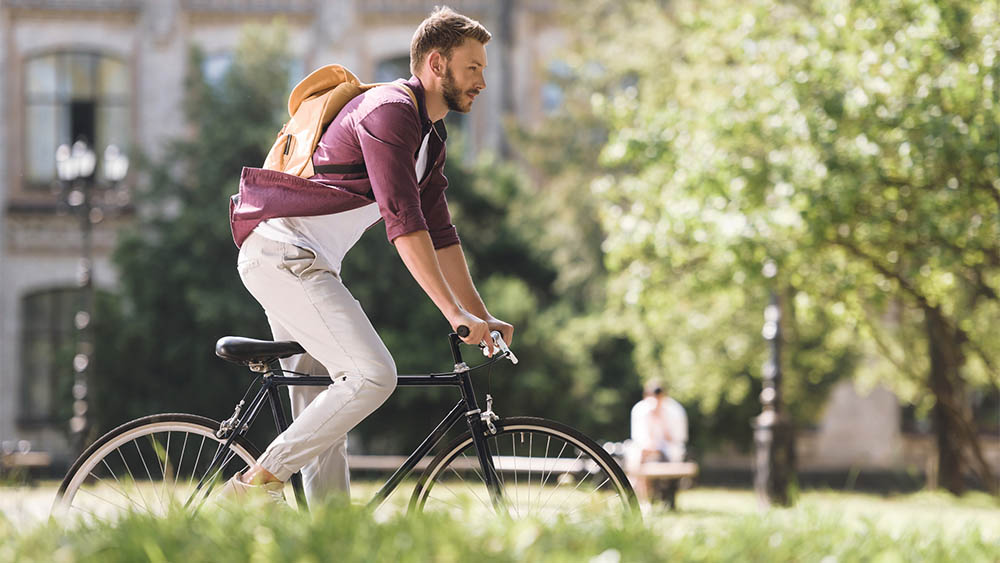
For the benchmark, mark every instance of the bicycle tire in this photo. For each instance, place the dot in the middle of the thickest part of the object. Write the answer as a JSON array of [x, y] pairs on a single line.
[[100, 457], [591, 463]]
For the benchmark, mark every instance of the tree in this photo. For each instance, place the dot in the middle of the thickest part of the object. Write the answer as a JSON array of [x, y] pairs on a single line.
[[853, 146]]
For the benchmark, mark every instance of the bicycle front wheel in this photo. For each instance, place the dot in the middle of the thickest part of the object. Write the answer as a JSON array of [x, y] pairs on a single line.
[[151, 464], [547, 470]]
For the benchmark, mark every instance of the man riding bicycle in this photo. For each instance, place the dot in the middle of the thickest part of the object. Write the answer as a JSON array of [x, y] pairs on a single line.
[[291, 260]]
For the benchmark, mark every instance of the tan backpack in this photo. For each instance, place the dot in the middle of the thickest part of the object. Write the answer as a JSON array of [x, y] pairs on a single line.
[[312, 105]]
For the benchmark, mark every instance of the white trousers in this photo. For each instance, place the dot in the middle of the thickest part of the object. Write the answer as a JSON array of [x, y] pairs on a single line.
[[305, 301]]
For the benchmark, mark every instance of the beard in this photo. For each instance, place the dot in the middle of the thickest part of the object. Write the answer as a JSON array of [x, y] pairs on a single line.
[[454, 97]]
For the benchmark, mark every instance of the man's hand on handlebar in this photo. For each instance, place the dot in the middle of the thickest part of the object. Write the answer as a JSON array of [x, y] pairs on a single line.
[[506, 330], [473, 330], [476, 330]]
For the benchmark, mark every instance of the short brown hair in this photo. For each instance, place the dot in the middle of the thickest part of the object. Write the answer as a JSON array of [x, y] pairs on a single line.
[[442, 31]]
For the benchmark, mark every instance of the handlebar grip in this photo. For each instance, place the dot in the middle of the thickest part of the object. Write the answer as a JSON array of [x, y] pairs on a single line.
[[463, 331]]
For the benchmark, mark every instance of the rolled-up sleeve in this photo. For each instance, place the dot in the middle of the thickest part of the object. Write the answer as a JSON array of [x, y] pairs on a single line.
[[389, 137], [435, 207]]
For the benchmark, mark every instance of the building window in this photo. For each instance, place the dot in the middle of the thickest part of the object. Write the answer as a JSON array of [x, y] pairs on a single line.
[[553, 92], [71, 96], [216, 66], [388, 70], [47, 349]]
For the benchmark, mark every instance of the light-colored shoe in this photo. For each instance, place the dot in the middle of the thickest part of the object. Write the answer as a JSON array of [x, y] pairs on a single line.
[[238, 491]]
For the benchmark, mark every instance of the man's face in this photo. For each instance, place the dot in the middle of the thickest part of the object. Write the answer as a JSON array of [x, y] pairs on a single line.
[[463, 79]]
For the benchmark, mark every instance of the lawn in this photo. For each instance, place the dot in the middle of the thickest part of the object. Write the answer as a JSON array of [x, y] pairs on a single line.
[[710, 525]]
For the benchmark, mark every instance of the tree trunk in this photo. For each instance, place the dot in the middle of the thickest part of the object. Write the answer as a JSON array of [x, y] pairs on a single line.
[[783, 458], [957, 440]]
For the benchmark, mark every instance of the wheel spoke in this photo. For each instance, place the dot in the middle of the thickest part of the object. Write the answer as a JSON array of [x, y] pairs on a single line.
[[471, 490], [541, 485], [205, 486], [530, 442], [569, 496], [112, 487], [553, 467], [143, 458], [90, 512], [448, 502], [180, 460], [194, 470], [99, 497], [159, 462], [205, 478], [475, 466], [222, 465], [513, 456], [166, 467], [134, 482], [557, 483], [108, 467]]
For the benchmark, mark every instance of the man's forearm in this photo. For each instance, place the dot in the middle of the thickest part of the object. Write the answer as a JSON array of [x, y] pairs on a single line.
[[418, 254], [456, 274]]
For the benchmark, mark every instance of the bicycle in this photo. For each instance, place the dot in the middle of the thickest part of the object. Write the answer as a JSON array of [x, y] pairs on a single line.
[[519, 466]]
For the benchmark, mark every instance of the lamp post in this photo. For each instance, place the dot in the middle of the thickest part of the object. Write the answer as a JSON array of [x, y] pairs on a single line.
[[75, 166], [773, 450]]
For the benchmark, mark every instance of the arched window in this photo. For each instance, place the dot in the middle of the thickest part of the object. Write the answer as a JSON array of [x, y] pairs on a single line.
[[47, 347], [71, 96], [215, 66]]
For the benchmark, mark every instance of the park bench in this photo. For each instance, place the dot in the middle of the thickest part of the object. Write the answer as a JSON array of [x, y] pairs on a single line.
[[664, 476], [16, 463], [502, 463]]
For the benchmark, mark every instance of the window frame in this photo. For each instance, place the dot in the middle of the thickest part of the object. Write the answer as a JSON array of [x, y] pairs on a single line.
[[122, 101], [58, 336]]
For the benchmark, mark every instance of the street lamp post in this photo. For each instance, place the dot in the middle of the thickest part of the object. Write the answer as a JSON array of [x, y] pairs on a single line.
[[773, 450], [76, 166]]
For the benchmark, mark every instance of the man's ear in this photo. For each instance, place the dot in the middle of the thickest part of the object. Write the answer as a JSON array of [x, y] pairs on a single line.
[[437, 63]]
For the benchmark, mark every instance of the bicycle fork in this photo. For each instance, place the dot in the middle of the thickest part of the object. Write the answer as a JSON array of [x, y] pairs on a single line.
[[480, 424]]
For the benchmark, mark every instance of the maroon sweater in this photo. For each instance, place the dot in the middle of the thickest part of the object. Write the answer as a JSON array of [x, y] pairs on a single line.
[[381, 129]]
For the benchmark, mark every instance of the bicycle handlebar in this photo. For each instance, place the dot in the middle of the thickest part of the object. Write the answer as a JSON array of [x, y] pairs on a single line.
[[498, 341]]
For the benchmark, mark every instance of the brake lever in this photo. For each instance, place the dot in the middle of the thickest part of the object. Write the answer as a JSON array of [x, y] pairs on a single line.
[[499, 343]]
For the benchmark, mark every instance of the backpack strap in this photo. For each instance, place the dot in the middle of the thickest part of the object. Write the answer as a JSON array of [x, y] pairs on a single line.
[[360, 168], [413, 97]]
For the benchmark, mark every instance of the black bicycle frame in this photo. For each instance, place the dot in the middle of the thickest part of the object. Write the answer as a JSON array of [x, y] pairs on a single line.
[[466, 408]]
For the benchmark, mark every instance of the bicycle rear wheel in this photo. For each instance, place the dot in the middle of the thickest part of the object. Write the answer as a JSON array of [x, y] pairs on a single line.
[[547, 470], [151, 464]]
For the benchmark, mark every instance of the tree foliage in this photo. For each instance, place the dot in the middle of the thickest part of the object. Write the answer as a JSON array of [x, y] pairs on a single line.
[[849, 146]]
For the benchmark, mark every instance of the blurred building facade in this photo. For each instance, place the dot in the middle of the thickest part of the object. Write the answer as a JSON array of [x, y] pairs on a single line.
[[112, 72]]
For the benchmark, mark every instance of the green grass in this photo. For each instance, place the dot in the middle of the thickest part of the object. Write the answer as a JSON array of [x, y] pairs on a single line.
[[711, 525]]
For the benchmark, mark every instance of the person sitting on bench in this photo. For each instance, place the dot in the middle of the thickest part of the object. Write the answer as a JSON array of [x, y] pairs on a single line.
[[659, 433]]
